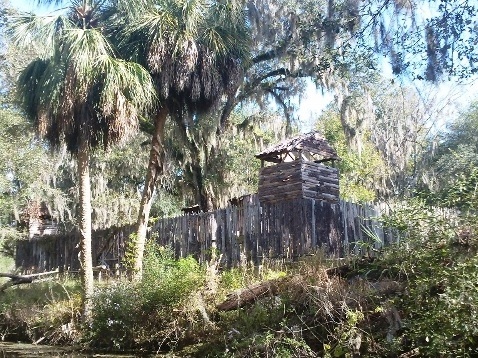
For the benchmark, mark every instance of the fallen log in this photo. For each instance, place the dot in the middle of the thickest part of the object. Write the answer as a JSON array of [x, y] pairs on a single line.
[[249, 295], [20, 279], [14, 280]]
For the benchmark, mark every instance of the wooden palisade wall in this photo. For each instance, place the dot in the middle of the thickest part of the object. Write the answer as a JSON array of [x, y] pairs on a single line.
[[250, 232], [61, 252]]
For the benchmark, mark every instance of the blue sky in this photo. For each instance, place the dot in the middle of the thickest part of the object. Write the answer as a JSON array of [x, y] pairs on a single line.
[[30, 6]]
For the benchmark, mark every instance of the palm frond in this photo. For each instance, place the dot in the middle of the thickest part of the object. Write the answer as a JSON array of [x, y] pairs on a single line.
[[226, 30], [82, 48], [132, 8], [157, 25], [39, 31], [27, 84], [82, 92], [126, 81], [213, 39], [193, 13]]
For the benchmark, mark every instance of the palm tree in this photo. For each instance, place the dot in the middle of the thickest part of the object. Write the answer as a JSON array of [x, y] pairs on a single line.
[[79, 93], [195, 51]]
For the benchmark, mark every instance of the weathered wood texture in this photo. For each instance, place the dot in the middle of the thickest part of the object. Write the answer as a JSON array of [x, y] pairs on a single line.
[[312, 143], [249, 232], [298, 179], [61, 251]]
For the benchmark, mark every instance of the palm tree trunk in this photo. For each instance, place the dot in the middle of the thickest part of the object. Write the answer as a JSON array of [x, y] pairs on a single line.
[[155, 169], [85, 229]]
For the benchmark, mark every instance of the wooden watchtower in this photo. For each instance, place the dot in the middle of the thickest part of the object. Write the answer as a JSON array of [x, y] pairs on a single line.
[[300, 170]]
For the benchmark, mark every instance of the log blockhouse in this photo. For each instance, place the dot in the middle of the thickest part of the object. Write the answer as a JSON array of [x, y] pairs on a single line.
[[299, 170]]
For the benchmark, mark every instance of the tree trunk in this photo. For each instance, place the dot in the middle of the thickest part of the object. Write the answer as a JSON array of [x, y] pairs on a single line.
[[249, 295], [200, 191], [84, 224], [155, 169]]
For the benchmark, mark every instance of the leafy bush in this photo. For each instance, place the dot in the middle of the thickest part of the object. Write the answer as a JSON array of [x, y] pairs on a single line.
[[153, 312], [439, 261], [167, 281], [116, 314]]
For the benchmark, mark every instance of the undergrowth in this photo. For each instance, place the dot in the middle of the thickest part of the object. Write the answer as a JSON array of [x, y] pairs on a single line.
[[41, 312], [418, 297]]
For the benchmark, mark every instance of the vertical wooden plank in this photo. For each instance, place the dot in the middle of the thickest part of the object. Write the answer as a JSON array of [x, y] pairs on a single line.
[[223, 233], [190, 234], [263, 232], [285, 209], [208, 235], [213, 228], [305, 225], [281, 223], [182, 235], [235, 248], [202, 237], [185, 237], [196, 237], [256, 233], [344, 228], [295, 216], [228, 239], [247, 232], [335, 230], [313, 232], [272, 245], [293, 237]]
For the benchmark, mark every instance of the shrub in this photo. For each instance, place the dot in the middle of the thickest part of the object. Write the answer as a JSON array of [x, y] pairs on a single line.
[[42, 310], [116, 314], [439, 261], [285, 344], [166, 281], [152, 313]]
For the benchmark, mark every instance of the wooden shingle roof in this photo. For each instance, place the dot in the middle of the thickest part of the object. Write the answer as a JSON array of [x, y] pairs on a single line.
[[313, 143]]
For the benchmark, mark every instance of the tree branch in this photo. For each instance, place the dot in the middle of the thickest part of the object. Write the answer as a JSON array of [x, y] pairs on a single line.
[[285, 108], [249, 89], [271, 54]]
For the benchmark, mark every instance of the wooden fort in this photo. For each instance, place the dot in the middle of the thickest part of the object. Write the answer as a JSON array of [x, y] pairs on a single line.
[[299, 170]]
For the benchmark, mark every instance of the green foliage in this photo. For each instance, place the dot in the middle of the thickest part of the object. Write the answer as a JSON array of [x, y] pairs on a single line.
[[59, 304], [285, 343], [130, 252], [439, 260], [346, 333], [212, 167], [23, 161], [116, 316], [453, 174], [26, 172], [146, 314], [116, 175], [463, 191], [167, 281], [456, 178], [6, 263], [442, 307], [359, 172]]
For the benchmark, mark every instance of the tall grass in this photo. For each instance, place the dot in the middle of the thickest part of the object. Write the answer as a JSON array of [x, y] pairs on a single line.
[[7, 264]]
